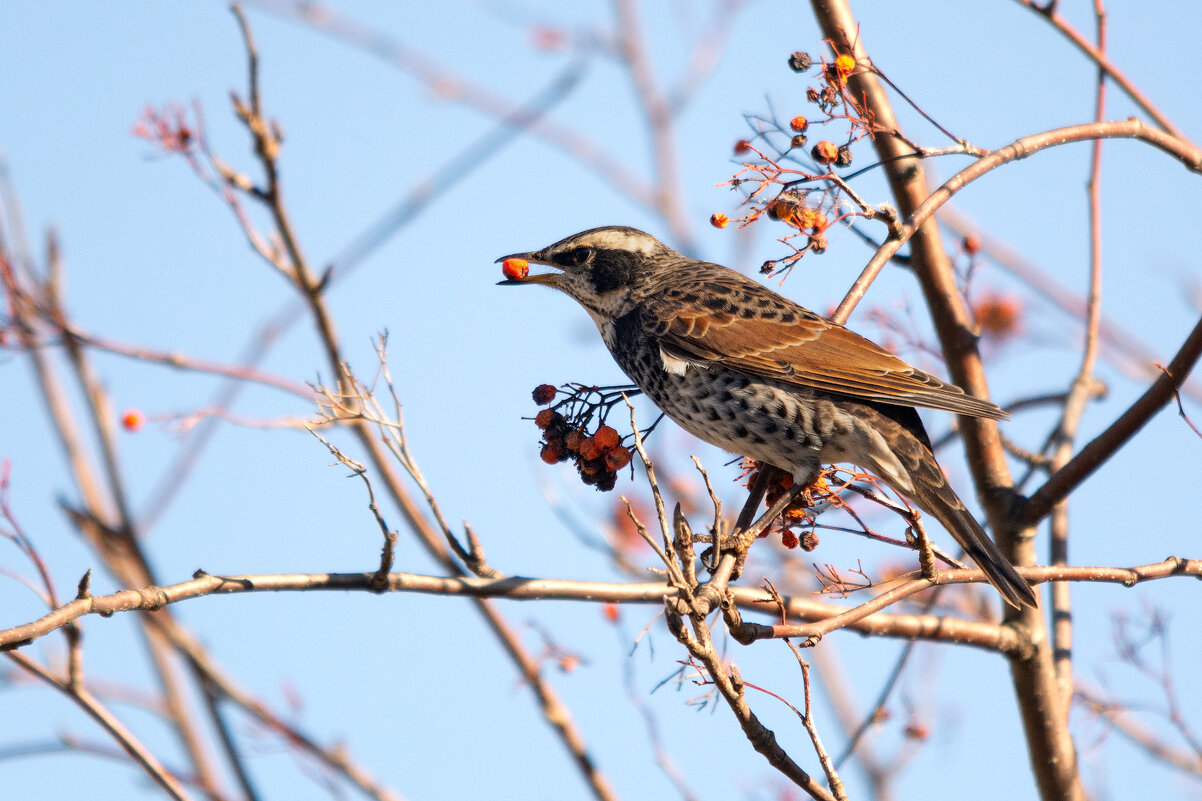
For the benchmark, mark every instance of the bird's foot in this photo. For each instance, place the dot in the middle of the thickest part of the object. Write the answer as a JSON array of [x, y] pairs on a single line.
[[917, 535], [725, 564]]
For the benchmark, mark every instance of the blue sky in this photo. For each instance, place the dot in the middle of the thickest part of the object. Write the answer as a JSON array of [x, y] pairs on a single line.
[[413, 685]]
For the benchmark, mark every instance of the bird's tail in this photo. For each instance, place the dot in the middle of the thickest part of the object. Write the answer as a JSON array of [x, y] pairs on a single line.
[[934, 495], [910, 455]]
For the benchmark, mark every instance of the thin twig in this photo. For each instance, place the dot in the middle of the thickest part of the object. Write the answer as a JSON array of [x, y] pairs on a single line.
[[1078, 395], [1098, 55], [96, 711]]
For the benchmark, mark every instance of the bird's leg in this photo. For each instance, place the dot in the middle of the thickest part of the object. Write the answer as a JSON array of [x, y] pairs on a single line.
[[712, 556], [743, 545], [729, 565], [926, 553]]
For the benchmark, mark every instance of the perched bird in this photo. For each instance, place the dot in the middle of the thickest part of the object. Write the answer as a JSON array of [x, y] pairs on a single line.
[[750, 371]]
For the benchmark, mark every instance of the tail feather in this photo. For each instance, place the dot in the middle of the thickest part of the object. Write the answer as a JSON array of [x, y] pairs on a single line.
[[922, 481], [938, 499]]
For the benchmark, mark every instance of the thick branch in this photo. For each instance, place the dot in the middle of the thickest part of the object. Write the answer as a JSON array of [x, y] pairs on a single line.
[[518, 588]]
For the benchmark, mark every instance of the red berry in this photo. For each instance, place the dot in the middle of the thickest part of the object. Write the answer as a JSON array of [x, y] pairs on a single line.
[[742, 146], [825, 152], [617, 458], [606, 438], [972, 244], [515, 269], [611, 612], [589, 449], [543, 393], [544, 418], [999, 316], [573, 439], [552, 453], [719, 220], [799, 123], [133, 420]]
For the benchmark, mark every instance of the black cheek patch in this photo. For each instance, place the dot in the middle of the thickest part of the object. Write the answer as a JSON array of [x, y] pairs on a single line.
[[612, 269]]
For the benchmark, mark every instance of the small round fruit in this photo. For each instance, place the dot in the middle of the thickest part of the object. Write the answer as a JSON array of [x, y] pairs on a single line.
[[800, 61], [589, 449], [825, 152], [617, 458], [515, 269], [552, 453], [606, 438]]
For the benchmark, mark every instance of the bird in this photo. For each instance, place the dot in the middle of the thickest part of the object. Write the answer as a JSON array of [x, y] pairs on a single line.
[[752, 372]]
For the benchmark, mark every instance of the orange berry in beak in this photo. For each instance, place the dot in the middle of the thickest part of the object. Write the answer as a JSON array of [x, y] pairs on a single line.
[[515, 269]]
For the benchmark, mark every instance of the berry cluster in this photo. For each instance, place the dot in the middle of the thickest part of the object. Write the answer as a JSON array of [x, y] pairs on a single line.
[[781, 158], [795, 525], [598, 455]]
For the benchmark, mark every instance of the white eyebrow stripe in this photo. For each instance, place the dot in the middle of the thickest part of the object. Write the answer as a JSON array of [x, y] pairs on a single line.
[[618, 240]]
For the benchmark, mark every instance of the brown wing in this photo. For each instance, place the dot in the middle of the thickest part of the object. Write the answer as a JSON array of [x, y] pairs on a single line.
[[717, 315]]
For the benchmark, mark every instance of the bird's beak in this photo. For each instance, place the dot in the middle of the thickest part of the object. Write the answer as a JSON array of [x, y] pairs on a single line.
[[535, 257]]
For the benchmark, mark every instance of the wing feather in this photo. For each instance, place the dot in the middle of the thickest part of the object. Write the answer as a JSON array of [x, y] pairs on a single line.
[[785, 342]]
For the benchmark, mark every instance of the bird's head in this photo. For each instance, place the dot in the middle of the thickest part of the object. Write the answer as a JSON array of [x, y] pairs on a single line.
[[604, 269]]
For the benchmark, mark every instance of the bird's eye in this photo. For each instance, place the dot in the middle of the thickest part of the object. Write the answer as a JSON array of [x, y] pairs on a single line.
[[574, 257]]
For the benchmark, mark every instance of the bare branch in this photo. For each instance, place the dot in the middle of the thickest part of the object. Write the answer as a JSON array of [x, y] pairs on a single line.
[[110, 724], [1103, 446]]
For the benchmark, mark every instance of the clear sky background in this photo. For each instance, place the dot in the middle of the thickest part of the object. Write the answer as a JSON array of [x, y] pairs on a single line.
[[414, 686]]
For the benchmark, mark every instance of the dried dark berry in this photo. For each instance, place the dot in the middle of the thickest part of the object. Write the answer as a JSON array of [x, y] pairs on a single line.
[[589, 449], [552, 453], [591, 467], [800, 61], [606, 438], [557, 428], [617, 458], [543, 393]]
